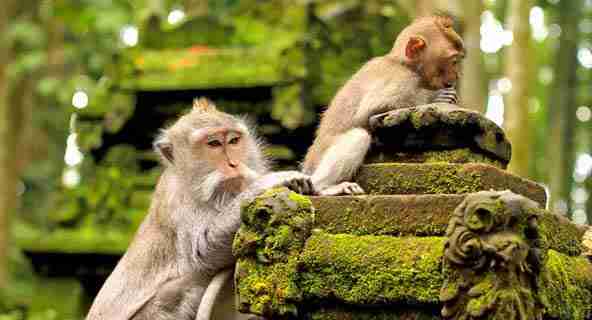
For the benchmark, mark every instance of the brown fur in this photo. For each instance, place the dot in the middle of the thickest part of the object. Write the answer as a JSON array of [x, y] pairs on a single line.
[[395, 80], [186, 238]]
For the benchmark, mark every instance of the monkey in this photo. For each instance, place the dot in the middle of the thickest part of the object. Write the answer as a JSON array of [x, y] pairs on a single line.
[[206, 307], [422, 67], [212, 162]]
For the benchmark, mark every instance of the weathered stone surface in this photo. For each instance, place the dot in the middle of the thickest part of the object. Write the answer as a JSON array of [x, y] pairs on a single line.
[[446, 178], [344, 312], [439, 126], [422, 215], [587, 243], [274, 229], [493, 259], [566, 285], [370, 270], [286, 269], [462, 155]]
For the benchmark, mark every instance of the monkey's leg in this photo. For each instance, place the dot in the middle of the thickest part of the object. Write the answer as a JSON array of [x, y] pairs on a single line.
[[340, 162], [206, 306]]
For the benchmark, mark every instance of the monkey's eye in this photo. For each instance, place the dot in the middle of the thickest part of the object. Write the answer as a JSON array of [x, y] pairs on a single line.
[[214, 143], [234, 140]]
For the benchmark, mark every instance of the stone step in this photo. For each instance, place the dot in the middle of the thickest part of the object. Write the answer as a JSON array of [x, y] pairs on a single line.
[[375, 270], [444, 178], [460, 155], [422, 215]]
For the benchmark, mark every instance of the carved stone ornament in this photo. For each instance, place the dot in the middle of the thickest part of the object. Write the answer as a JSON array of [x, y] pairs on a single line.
[[493, 258]]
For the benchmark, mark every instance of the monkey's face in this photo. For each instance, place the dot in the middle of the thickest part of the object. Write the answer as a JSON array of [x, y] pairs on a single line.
[[223, 152], [443, 69], [436, 51]]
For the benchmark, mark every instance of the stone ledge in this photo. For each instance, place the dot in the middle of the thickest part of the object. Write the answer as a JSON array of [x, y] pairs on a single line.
[[382, 271], [445, 178], [421, 215], [461, 155], [439, 126]]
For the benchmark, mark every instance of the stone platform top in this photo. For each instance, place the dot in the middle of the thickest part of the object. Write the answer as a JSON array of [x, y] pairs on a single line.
[[438, 126], [444, 232]]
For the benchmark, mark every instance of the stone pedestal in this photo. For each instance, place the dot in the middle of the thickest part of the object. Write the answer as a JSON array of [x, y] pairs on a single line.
[[444, 232]]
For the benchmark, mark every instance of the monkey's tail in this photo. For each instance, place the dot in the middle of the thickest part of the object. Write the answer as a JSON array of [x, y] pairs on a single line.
[[206, 306]]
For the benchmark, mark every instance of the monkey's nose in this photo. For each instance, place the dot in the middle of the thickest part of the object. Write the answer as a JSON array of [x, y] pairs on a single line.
[[233, 164]]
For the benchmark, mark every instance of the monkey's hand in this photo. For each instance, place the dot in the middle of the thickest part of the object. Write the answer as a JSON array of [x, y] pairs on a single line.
[[293, 180], [447, 95]]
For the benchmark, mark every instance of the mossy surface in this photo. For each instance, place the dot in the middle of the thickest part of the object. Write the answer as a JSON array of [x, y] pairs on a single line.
[[423, 215], [566, 285], [461, 155], [440, 126], [202, 67], [559, 233], [391, 313], [435, 178], [274, 229], [366, 270]]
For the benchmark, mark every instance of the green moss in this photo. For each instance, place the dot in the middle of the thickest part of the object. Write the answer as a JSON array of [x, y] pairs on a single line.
[[358, 313], [422, 215], [443, 178], [560, 234], [566, 284], [417, 179], [200, 68], [372, 269], [268, 243], [461, 155]]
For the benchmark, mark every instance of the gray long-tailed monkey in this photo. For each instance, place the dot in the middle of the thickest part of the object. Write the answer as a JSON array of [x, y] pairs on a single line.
[[421, 67], [212, 163]]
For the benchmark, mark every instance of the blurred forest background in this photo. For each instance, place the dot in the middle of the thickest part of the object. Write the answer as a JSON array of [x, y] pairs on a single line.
[[85, 85]]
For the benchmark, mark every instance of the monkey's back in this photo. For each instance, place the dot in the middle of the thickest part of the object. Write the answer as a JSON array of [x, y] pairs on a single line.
[[338, 118]]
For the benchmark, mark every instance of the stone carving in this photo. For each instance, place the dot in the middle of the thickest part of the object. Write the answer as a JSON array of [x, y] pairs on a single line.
[[437, 126], [493, 255]]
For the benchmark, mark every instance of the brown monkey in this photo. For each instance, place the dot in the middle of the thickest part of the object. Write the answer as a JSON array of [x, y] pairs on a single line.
[[424, 59], [212, 162]]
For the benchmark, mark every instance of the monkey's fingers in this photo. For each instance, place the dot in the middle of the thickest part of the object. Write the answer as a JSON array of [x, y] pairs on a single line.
[[447, 95], [377, 120]]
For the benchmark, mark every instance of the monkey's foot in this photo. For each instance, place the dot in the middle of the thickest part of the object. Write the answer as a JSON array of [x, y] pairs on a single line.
[[344, 188]]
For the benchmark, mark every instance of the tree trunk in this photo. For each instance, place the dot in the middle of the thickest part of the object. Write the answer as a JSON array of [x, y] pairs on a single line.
[[517, 69], [562, 107], [8, 142], [473, 83]]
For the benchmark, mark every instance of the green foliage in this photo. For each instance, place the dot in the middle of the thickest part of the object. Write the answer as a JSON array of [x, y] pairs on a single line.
[[117, 193]]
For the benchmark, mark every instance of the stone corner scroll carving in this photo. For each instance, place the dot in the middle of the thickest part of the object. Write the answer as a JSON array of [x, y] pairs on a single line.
[[492, 259]]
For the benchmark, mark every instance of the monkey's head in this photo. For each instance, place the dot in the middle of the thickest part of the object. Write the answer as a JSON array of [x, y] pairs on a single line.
[[431, 47], [215, 152]]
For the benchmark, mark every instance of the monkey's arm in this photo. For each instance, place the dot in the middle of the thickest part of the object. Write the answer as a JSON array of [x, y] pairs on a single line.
[[384, 96]]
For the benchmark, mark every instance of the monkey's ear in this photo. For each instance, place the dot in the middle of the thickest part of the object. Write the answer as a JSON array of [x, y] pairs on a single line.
[[164, 148], [204, 104], [414, 46]]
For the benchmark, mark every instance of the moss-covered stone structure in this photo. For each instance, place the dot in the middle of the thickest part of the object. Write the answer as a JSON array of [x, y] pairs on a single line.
[[443, 233]]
